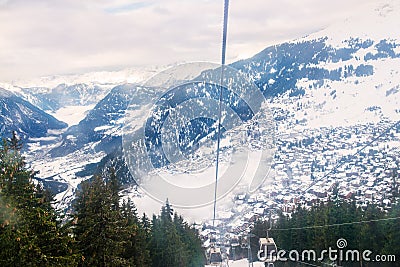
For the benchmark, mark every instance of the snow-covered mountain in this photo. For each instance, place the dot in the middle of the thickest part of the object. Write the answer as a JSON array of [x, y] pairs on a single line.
[[70, 97], [25, 118], [103, 124], [345, 75], [354, 61], [99, 78], [67, 103], [66, 95]]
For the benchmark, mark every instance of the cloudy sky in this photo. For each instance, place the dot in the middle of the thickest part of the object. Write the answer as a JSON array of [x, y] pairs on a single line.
[[46, 37]]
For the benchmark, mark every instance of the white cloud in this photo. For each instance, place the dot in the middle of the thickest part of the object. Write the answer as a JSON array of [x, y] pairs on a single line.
[[46, 37]]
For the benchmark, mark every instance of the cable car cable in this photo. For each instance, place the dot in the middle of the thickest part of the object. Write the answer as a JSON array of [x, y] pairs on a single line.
[[336, 224], [330, 225], [224, 35]]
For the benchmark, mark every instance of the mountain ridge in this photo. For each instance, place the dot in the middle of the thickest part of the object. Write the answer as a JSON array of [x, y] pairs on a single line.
[[336, 78], [21, 116]]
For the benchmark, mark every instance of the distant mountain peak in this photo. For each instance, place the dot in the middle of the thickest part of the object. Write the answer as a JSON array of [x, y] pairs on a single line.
[[104, 78]]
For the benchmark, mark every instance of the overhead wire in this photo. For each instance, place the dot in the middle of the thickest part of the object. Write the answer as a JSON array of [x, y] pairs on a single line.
[[335, 224], [223, 54]]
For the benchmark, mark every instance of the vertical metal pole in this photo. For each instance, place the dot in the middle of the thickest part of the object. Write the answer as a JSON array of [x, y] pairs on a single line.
[[249, 254]]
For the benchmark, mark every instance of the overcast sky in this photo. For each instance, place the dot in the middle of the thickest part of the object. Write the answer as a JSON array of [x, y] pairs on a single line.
[[46, 37]]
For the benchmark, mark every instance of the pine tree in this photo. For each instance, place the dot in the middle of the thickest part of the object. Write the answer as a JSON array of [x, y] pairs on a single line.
[[146, 224], [173, 243], [392, 233], [109, 233], [191, 241], [14, 142], [30, 233], [114, 187], [371, 235], [136, 249], [98, 225]]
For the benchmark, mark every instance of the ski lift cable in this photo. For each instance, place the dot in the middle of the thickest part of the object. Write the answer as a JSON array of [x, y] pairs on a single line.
[[332, 225], [356, 153], [322, 226], [223, 54], [335, 224], [328, 225]]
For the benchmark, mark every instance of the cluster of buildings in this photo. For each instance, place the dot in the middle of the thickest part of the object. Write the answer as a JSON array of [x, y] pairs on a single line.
[[358, 163]]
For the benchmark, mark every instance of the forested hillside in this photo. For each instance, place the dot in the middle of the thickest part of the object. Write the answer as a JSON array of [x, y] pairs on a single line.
[[103, 230]]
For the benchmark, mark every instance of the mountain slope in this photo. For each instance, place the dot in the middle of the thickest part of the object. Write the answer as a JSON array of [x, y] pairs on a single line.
[[328, 82], [103, 124], [25, 118], [344, 74]]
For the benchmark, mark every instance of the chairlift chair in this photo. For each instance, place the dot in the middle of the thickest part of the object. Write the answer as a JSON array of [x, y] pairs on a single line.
[[215, 257], [268, 250], [244, 242], [235, 241]]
